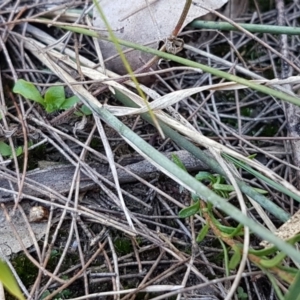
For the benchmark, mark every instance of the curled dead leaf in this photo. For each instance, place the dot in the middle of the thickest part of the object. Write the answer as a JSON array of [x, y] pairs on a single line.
[[38, 214]]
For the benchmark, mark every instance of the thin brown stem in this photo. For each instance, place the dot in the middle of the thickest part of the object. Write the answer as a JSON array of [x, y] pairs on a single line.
[[182, 18]]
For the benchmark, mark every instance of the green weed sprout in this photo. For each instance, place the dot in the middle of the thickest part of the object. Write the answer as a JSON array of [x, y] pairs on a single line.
[[6, 151], [270, 260], [53, 100]]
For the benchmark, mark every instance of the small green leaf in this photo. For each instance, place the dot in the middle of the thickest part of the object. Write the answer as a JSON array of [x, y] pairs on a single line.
[[235, 258], [227, 230], [190, 211], [84, 111], [205, 176], [270, 263], [241, 294], [54, 98], [5, 149], [69, 103], [202, 233], [9, 282], [19, 151], [223, 187], [225, 251], [252, 156], [28, 91], [239, 230], [178, 162], [292, 271], [223, 194], [264, 251], [261, 191], [219, 179]]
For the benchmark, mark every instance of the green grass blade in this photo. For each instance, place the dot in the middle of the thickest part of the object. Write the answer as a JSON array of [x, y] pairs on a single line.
[[267, 180], [189, 182], [257, 28], [9, 281], [294, 290], [190, 147]]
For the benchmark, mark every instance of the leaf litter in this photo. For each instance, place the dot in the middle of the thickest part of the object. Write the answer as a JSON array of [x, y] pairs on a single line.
[[207, 115]]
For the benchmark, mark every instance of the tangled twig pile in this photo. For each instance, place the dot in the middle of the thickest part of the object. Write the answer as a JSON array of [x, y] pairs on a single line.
[[102, 219]]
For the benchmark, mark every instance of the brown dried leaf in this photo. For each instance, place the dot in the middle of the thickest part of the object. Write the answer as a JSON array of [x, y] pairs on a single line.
[[144, 22]]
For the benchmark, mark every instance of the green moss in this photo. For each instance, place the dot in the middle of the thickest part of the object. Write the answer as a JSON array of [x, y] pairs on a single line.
[[123, 245], [246, 111], [96, 143], [26, 270], [65, 294], [69, 260]]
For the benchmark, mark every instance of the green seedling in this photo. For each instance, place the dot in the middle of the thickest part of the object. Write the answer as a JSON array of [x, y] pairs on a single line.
[[241, 294], [190, 210], [202, 233], [5, 150], [276, 260], [218, 184], [263, 260], [178, 162], [53, 100], [65, 294]]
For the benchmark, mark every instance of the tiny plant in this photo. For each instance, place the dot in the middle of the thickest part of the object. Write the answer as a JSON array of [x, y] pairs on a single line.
[[54, 98], [241, 294], [5, 149], [65, 294], [217, 184], [269, 259]]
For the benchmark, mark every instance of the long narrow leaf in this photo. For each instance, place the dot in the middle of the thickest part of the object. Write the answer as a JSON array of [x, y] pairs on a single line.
[[190, 211], [9, 281], [202, 233], [200, 154], [294, 290], [267, 180]]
